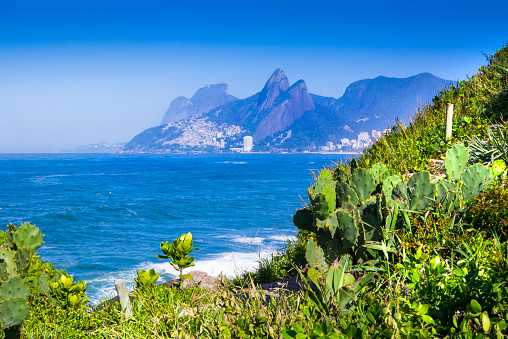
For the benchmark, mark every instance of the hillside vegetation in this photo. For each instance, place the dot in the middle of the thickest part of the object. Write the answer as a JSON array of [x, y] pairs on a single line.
[[399, 246]]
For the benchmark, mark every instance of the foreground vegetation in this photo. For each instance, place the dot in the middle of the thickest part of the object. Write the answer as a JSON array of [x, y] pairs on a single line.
[[398, 247]]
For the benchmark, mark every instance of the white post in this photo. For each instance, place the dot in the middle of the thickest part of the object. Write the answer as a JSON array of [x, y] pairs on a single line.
[[449, 120], [125, 302]]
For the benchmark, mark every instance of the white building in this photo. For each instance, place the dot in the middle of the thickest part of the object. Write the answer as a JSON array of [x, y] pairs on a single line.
[[247, 143], [346, 144], [376, 134], [330, 146], [363, 136]]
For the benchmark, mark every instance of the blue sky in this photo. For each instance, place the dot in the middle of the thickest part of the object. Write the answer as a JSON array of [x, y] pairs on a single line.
[[80, 72]]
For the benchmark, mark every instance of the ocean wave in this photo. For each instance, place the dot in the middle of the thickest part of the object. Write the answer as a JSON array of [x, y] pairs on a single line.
[[231, 162], [256, 241], [230, 264], [282, 238]]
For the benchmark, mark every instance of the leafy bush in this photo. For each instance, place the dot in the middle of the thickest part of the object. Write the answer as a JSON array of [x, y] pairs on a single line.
[[489, 210]]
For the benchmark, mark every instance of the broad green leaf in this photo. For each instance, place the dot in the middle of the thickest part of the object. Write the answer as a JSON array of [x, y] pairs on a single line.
[[428, 319], [475, 307]]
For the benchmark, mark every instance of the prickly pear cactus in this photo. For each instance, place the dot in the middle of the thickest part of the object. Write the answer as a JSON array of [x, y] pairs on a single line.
[[363, 183], [475, 179], [28, 236], [350, 207], [421, 191], [315, 256], [17, 243], [456, 161]]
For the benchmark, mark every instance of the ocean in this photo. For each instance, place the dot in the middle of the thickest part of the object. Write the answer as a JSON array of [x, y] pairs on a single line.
[[104, 216]]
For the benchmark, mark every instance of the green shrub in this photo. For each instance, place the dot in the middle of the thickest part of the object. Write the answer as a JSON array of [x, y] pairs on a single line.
[[489, 211]]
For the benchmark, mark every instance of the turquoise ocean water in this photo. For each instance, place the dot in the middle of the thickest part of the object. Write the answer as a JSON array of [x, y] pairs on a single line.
[[103, 216]]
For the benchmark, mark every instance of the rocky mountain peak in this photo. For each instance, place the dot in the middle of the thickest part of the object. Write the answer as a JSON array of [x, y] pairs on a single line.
[[288, 106], [205, 99], [277, 84]]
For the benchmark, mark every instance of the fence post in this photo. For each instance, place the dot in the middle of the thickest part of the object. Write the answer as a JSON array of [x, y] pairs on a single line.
[[449, 120], [125, 302]]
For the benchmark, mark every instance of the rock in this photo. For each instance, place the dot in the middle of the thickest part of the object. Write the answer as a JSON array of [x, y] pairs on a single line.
[[202, 279]]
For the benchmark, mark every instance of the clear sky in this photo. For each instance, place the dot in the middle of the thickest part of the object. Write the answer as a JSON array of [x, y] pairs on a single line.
[[80, 72]]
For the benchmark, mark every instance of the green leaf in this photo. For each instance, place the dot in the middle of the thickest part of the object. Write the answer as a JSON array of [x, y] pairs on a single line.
[[475, 307], [458, 272], [485, 322], [498, 167], [428, 319], [317, 329]]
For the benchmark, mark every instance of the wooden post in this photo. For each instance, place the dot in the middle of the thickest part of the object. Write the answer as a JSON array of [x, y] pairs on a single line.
[[449, 120], [125, 302]]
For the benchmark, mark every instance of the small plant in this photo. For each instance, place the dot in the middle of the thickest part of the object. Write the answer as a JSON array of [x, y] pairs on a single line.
[[146, 279], [67, 293], [488, 150], [338, 289], [178, 252]]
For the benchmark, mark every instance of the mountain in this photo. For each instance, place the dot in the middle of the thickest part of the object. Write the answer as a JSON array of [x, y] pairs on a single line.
[[376, 103], [286, 117], [269, 111], [202, 101]]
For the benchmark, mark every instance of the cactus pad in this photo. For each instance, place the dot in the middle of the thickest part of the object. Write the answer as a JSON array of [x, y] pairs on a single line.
[[345, 194], [324, 202], [456, 161], [348, 228], [7, 257], [380, 172], [13, 288], [22, 261], [421, 191], [28, 236], [475, 178], [3, 238], [363, 183], [332, 223], [315, 256], [322, 183], [13, 311], [341, 175], [370, 211]]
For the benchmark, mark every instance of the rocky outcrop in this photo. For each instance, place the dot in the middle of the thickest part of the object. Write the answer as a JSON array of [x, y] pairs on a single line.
[[202, 101], [287, 107], [275, 86]]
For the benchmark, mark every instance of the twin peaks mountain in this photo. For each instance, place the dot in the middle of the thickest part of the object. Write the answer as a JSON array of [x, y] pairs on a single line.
[[284, 117]]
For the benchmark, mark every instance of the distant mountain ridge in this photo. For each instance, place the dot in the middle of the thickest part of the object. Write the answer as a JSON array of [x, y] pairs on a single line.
[[285, 117], [202, 101]]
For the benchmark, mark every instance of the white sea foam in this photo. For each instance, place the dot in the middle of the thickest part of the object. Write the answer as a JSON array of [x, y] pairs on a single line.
[[232, 162], [282, 238], [229, 264], [255, 241]]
